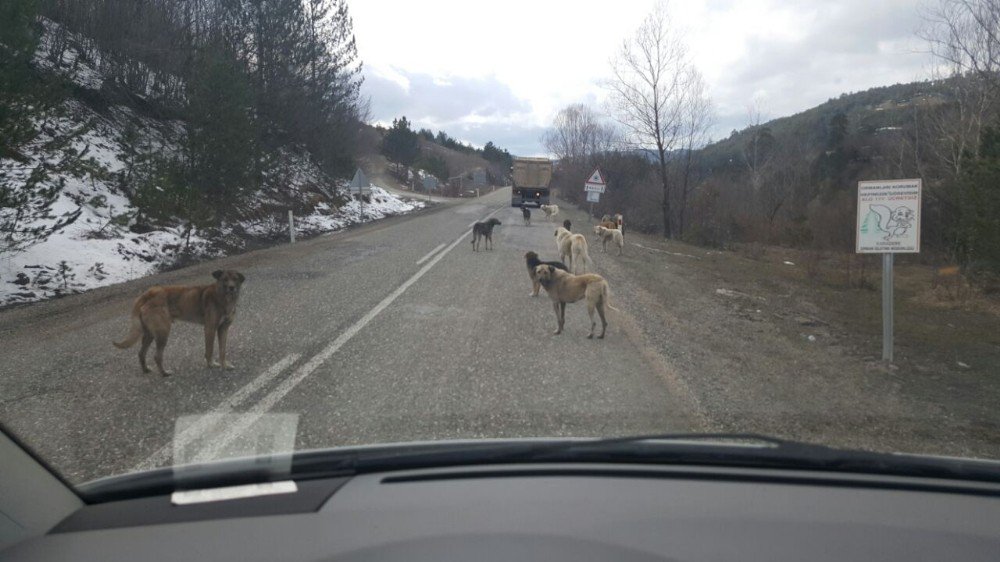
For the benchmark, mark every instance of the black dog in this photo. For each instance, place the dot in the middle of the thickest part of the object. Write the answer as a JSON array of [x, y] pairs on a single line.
[[526, 214], [567, 224], [532, 261], [483, 230]]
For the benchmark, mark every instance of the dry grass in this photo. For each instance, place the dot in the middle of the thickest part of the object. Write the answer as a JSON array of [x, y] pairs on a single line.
[[940, 319]]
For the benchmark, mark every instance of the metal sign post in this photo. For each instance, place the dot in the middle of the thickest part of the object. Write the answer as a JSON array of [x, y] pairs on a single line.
[[594, 187], [887, 313], [888, 224], [360, 185]]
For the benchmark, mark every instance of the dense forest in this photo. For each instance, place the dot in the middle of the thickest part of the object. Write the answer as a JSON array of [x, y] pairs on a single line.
[[247, 78], [401, 145]]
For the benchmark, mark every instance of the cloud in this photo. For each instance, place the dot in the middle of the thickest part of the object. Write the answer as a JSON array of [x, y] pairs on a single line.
[[841, 47], [441, 100], [793, 54]]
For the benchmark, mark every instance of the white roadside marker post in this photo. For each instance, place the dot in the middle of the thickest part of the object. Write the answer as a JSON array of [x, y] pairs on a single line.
[[291, 226]]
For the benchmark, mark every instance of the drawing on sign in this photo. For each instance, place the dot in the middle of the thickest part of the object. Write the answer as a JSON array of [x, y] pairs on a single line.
[[893, 223], [888, 216]]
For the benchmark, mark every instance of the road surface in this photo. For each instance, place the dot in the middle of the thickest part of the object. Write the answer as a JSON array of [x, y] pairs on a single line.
[[395, 331]]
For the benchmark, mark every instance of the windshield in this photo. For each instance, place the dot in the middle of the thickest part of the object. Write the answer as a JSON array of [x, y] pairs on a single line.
[[246, 228]]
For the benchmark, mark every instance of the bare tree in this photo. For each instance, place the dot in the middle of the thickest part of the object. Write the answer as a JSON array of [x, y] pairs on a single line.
[[697, 119], [759, 148], [577, 133], [651, 82], [966, 35]]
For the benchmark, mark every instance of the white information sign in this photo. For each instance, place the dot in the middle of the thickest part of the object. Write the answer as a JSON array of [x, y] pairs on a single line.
[[888, 217], [594, 196]]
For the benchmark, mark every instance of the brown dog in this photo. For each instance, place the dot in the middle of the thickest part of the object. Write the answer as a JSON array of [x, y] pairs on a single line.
[[212, 305], [532, 261], [564, 287]]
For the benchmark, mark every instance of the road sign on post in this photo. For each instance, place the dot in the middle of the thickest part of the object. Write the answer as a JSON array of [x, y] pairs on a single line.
[[594, 196], [888, 223], [595, 183]]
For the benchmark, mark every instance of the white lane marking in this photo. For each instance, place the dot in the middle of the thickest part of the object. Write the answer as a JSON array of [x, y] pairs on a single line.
[[429, 254], [306, 369], [203, 425]]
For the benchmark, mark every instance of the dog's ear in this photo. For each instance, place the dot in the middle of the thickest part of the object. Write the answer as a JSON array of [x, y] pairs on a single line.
[[217, 274], [551, 269], [240, 277]]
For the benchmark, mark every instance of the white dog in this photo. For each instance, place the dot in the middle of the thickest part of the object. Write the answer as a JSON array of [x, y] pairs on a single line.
[[550, 211], [563, 246], [610, 235]]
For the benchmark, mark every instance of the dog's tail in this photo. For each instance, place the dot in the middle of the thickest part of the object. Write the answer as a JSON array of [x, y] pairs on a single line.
[[134, 332], [606, 296]]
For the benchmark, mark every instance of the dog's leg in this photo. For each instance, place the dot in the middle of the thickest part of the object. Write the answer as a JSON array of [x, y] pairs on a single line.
[[604, 322], [559, 325], [223, 338], [590, 313], [147, 339], [562, 315], [535, 286], [161, 342], [210, 342]]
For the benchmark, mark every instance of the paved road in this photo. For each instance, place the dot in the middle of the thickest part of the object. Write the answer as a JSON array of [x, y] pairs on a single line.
[[391, 332]]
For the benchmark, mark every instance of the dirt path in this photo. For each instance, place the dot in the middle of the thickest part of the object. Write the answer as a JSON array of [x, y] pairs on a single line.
[[758, 353]]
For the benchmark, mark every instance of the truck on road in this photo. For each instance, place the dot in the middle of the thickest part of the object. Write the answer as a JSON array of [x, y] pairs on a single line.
[[531, 178]]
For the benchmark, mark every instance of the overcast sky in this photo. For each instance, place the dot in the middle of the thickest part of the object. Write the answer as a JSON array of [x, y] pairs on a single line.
[[501, 70]]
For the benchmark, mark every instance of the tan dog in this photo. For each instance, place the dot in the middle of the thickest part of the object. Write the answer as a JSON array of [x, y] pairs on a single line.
[[563, 245], [532, 261], [573, 250], [564, 287], [579, 249], [549, 210], [609, 224], [212, 305], [610, 235]]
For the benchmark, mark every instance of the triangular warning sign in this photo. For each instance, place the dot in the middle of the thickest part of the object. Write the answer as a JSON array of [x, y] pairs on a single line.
[[596, 177]]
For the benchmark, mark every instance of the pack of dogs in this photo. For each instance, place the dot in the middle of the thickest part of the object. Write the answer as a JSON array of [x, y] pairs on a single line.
[[213, 305]]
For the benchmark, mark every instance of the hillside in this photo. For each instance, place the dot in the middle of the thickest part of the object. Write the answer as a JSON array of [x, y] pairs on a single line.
[[883, 110], [80, 225]]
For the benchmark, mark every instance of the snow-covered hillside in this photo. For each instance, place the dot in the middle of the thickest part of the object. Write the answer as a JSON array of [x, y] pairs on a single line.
[[100, 243]]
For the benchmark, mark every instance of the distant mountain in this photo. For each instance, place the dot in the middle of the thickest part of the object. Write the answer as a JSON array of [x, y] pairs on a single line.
[[873, 112]]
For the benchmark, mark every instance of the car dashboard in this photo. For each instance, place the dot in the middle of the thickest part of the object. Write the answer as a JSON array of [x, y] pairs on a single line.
[[550, 512]]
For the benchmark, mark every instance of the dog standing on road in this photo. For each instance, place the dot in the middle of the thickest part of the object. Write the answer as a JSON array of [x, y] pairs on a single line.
[[532, 261], [484, 230], [550, 211], [610, 235], [212, 305], [564, 288], [563, 246], [526, 215], [573, 250]]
